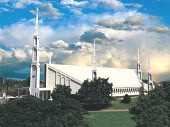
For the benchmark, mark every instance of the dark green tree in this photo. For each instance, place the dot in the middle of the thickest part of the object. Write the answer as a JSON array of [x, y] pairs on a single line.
[[126, 99], [61, 91], [72, 107], [30, 111], [95, 94], [153, 110]]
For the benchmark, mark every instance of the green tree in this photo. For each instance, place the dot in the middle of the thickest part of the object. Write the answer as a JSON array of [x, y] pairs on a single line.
[[61, 91], [95, 94], [153, 110], [126, 99], [30, 111], [72, 107]]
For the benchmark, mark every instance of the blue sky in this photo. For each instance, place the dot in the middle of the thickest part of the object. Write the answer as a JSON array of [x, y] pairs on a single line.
[[67, 28]]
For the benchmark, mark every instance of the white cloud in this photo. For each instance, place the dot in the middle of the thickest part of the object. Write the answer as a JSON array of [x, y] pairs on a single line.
[[160, 29], [73, 2], [49, 11], [4, 9], [76, 11], [4, 1], [5, 54], [19, 54], [114, 4], [135, 20], [59, 44], [23, 3]]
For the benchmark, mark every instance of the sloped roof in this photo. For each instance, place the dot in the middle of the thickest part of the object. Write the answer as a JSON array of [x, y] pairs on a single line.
[[119, 77]]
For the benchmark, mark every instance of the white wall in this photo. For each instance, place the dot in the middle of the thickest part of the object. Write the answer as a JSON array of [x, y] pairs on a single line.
[[54, 77]]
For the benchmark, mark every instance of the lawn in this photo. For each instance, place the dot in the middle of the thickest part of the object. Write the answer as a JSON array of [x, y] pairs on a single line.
[[118, 105], [110, 119]]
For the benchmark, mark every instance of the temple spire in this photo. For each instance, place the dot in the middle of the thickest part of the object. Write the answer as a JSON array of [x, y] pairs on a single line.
[[94, 73], [150, 82], [139, 71], [35, 65], [101, 63], [138, 56], [36, 22], [50, 59]]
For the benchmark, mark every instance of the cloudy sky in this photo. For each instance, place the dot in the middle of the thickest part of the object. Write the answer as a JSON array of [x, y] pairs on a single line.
[[67, 29]]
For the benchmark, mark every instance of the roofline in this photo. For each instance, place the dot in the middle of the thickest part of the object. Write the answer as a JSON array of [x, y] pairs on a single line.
[[92, 67]]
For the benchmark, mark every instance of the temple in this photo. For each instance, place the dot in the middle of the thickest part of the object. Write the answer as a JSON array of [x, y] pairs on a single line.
[[125, 81]]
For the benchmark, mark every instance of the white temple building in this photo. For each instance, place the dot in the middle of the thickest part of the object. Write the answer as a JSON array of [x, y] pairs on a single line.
[[125, 81]]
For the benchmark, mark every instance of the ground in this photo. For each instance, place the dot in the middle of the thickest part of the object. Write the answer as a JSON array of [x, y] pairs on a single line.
[[110, 119], [118, 105], [115, 116]]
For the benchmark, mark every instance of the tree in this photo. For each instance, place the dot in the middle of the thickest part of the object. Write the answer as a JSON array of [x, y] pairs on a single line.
[[61, 91], [153, 110], [72, 107], [95, 94], [126, 99], [30, 111]]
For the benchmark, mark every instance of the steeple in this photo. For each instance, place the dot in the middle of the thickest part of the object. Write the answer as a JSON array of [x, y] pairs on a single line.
[[36, 23], [150, 82], [139, 71], [50, 59], [35, 65], [101, 62], [94, 72]]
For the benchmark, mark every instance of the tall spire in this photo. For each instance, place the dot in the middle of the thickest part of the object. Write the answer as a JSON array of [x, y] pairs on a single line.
[[150, 82], [138, 56], [101, 62], [94, 73], [50, 59], [139, 71], [94, 55], [35, 65], [36, 22]]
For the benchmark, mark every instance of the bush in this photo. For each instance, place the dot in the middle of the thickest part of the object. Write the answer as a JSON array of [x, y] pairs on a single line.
[[126, 99], [95, 94], [153, 109], [30, 111]]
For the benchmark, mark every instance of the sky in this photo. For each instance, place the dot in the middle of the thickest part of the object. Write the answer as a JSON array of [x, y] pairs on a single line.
[[67, 29]]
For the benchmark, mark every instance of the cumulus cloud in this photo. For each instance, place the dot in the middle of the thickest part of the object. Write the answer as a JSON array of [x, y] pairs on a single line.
[[48, 11], [160, 29], [110, 23], [19, 54], [160, 62], [14, 37], [135, 20], [76, 11], [59, 44], [4, 1], [4, 9], [23, 3], [89, 36], [128, 22], [116, 37], [134, 5], [74, 3], [123, 42], [5, 54], [114, 4]]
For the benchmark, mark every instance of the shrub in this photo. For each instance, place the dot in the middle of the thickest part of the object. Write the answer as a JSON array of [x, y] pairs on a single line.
[[126, 99], [95, 94], [30, 111], [153, 109]]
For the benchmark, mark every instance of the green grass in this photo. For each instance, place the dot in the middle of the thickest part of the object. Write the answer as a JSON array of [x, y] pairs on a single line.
[[118, 105], [110, 119]]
